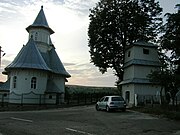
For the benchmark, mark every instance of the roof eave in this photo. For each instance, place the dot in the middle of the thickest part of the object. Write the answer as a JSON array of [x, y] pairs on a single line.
[[26, 68], [66, 75], [39, 26]]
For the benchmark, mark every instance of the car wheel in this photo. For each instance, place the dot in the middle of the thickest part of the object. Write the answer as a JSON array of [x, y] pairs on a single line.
[[97, 108], [107, 109]]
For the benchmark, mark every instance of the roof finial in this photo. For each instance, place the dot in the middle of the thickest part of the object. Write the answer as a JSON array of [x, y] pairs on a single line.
[[42, 7]]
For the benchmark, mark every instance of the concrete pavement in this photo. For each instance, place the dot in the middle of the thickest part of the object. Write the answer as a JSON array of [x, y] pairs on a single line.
[[84, 120]]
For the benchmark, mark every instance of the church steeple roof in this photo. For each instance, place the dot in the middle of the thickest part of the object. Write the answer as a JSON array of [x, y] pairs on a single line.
[[29, 57], [40, 21]]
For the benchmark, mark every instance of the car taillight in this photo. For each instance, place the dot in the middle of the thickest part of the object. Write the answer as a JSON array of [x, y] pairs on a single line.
[[111, 103]]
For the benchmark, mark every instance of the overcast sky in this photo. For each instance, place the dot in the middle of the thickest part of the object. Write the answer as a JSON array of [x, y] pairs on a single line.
[[69, 19]]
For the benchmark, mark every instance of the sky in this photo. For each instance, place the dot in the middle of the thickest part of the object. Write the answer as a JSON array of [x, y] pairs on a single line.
[[70, 20]]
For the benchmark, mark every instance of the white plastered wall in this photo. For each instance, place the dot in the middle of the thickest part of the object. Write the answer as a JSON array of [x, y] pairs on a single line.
[[23, 82]]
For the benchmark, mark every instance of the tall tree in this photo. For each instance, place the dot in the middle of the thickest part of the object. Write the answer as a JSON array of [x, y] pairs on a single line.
[[171, 38], [115, 24], [170, 42]]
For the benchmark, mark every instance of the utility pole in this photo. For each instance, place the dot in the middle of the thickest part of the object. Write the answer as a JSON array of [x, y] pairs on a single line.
[[1, 55]]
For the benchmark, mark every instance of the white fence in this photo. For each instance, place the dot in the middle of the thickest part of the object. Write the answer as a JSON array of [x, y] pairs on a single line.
[[30, 98]]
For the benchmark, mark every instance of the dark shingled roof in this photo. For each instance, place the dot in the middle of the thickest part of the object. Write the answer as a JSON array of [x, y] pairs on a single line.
[[41, 22], [55, 63], [145, 44], [142, 43], [142, 62], [136, 81], [29, 57]]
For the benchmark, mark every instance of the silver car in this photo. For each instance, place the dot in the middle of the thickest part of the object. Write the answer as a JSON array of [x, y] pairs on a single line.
[[111, 103]]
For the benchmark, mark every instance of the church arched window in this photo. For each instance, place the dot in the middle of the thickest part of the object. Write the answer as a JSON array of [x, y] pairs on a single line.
[[36, 35], [33, 82], [14, 81]]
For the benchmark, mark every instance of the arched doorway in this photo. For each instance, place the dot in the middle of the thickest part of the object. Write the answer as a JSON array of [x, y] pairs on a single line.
[[127, 96]]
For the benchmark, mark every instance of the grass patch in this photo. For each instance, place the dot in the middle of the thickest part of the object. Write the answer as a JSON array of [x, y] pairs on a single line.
[[160, 111]]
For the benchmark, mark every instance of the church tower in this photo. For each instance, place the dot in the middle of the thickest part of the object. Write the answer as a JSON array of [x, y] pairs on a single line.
[[37, 72], [40, 31], [141, 59]]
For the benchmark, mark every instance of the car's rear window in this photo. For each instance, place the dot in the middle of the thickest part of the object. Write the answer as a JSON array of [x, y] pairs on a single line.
[[117, 99]]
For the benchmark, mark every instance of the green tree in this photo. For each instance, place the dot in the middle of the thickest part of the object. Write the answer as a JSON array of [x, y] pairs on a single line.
[[164, 78], [169, 75], [115, 24], [170, 42], [171, 38]]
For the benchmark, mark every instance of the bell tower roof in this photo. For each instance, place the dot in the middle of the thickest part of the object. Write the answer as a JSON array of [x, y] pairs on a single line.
[[40, 22]]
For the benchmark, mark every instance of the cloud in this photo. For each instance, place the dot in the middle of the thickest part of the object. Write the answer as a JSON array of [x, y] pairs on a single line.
[[6, 9], [88, 74], [68, 64], [82, 6], [5, 62]]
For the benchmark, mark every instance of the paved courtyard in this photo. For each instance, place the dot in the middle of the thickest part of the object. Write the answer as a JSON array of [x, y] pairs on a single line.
[[84, 120]]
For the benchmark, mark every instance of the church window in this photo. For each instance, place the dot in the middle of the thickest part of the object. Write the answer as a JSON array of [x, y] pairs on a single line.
[[14, 81], [36, 35], [33, 82], [146, 51], [48, 40], [127, 96]]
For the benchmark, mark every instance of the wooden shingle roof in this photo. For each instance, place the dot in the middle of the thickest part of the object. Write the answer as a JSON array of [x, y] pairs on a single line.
[[40, 22], [29, 57]]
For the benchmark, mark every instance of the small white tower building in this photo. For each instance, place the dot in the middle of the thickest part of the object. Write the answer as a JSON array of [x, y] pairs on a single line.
[[141, 59], [37, 75]]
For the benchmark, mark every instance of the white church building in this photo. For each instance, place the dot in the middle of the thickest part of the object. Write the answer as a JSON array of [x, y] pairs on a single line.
[[37, 75], [141, 58]]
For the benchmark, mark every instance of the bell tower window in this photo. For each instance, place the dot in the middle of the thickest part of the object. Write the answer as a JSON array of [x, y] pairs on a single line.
[[33, 82], [146, 51]]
